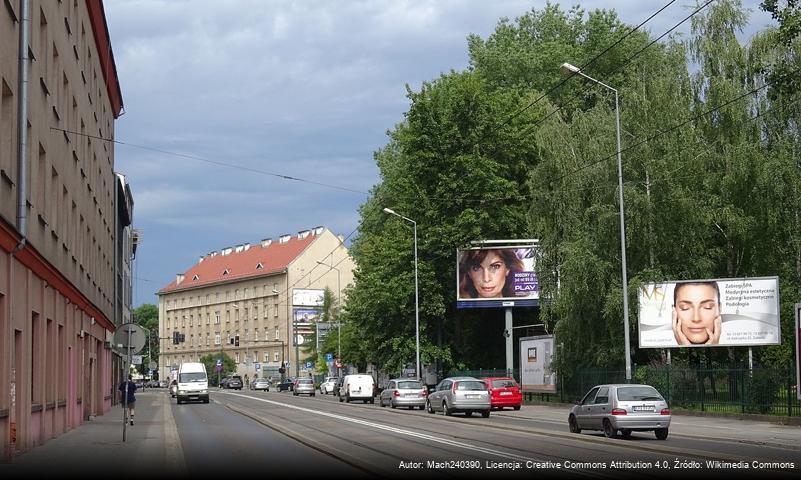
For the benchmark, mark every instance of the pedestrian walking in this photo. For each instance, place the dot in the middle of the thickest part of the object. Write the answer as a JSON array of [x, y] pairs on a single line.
[[130, 400]]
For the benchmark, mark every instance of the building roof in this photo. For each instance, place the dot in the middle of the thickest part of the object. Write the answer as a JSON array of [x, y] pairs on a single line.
[[244, 261], [97, 17]]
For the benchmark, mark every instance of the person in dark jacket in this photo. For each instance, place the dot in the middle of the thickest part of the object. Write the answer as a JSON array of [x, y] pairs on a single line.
[[131, 400]]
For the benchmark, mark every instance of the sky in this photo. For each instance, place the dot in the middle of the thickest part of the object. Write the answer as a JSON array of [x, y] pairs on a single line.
[[224, 99]]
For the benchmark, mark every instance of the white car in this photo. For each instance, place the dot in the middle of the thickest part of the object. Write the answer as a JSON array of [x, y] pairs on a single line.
[[327, 387]]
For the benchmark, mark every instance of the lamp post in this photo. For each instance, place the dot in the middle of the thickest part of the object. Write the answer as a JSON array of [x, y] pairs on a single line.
[[339, 305], [416, 302], [572, 69]]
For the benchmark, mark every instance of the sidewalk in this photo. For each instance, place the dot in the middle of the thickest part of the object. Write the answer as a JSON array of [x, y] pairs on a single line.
[[756, 432], [96, 448]]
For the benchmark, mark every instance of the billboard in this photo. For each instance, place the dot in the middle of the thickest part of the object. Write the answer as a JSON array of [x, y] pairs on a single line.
[[304, 297], [719, 312], [537, 355], [496, 276], [304, 320]]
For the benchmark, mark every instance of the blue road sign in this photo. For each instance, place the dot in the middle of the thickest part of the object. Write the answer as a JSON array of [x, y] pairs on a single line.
[[219, 362], [329, 357], [308, 364]]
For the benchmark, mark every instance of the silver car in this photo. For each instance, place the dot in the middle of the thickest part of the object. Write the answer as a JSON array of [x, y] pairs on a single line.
[[460, 394], [404, 392], [623, 408], [260, 384], [303, 386]]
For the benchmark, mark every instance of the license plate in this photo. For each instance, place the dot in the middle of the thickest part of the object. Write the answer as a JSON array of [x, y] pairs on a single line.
[[643, 408], [504, 394], [411, 395], [472, 396]]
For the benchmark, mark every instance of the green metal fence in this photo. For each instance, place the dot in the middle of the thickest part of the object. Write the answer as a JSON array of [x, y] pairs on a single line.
[[768, 391]]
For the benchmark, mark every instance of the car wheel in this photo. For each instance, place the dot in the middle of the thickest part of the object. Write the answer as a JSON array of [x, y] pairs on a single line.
[[446, 410], [625, 432], [295, 393], [206, 400], [468, 413], [574, 426], [372, 401], [341, 399], [428, 407], [411, 408], [609, 432], [347, 398], [485, 413], [381, 402], [517, 407], [422, 407], [180, 401], [661, 433], [392, 404]]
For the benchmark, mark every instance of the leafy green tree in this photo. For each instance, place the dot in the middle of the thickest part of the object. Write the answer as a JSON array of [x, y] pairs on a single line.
[[147, 315], [210, 361]]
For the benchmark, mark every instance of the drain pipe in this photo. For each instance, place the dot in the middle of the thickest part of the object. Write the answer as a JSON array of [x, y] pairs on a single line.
[[22, 126]]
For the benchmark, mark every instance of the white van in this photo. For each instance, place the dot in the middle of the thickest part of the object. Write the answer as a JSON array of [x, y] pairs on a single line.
[[357, 387], [193, 383]]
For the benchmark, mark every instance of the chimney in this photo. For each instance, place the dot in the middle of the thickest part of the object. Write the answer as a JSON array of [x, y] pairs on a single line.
[[179, 277]]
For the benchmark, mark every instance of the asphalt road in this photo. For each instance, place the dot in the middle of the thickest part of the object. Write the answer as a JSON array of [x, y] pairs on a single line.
[[387, 442]]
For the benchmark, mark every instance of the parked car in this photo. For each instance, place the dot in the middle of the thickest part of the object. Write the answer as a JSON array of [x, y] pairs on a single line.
[[260, 384], [504, 392], [623, 408], [460, 394], [304, 385], [404, 392], [286, 384], [357, 387], [233, 382], [327, 387]]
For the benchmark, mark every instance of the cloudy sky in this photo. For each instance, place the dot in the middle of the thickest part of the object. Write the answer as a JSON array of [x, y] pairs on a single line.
[[222, 97]]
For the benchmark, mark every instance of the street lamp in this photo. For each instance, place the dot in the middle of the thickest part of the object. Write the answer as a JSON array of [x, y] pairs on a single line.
[[569, 70], [339, 305], [416, 303]]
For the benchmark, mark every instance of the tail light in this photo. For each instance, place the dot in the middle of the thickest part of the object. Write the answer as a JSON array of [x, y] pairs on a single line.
[[453, 388], [395, 393], [619, 411], [665, 411], [424, 392]]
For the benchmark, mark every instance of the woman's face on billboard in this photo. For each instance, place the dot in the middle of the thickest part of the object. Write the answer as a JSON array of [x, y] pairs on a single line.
[[697, 308], [489, 277]]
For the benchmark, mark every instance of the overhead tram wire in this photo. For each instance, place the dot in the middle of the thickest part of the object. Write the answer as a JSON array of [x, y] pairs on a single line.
[[626, 62], [590, 62], [214, 162]]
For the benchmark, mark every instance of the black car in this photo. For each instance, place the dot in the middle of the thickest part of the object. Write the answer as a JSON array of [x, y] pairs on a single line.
[[233, 382], [286, 384]]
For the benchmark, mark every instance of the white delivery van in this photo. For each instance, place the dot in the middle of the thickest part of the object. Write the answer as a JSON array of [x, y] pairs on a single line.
[[193, 383], [357, 387]]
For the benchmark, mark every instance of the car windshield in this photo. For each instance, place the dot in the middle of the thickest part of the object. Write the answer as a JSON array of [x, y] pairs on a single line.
[[503, 383], [470, 385], [625, 394], [410, 385], [192, 377]]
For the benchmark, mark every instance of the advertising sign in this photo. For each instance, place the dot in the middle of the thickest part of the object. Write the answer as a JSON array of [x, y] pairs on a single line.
[[303, 297], [304, 320], [496, 276], [537, 355], [700, 313]]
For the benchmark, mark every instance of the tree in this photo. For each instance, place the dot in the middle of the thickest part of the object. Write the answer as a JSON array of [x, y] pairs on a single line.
[[147, 315], [210, 361]]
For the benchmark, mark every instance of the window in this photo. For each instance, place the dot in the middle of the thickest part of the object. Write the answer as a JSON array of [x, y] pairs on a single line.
[[237, 357], [259, 266], [208, 340], [217, 317], [217, 339], [275, 356], [266, 357], [255, 334], [208, 319], [266, 334], [277, 335]]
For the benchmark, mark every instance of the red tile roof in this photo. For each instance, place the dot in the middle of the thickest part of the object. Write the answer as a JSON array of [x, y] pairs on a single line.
[[274, 258]]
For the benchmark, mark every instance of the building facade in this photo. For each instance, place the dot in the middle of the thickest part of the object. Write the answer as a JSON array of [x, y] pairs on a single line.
[[249, 302], [59, 99]]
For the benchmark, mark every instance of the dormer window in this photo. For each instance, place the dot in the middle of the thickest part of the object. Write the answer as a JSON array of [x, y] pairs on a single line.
[[226, 272], [259, 266], [196, 278]]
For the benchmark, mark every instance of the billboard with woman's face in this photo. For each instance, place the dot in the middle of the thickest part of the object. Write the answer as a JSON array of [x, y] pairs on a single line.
[[496, 277], [697, 313]]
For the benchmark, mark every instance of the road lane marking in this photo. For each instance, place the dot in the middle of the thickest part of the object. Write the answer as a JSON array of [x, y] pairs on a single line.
[[399, 431]]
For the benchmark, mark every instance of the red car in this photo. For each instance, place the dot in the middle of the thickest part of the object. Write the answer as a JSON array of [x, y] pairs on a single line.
[[504, 392]]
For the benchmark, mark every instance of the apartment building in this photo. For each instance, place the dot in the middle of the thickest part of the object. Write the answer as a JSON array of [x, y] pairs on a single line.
[[257, 303], [59, 100]]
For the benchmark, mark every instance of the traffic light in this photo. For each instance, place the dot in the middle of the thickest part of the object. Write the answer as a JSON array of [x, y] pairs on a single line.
[[281, 370], [236, 341], [182, 337]]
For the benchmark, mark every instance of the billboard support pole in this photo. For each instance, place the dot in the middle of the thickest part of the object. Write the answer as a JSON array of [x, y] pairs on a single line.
[[509, 342]]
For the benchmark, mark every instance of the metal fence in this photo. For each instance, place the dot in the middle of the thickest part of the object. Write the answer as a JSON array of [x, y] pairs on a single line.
[[767, 391]]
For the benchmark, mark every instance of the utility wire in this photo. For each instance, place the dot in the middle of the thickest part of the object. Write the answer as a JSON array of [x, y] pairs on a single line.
[[214, 162]]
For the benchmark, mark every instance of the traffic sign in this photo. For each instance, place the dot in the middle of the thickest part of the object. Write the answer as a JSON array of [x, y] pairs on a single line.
[[219, 362], [329, 357], [258, 366], [130, 337], [152, 365], [338, 363], [308, 365]]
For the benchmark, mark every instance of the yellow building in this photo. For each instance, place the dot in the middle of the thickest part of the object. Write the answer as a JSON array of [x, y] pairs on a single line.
[[253, 302]]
